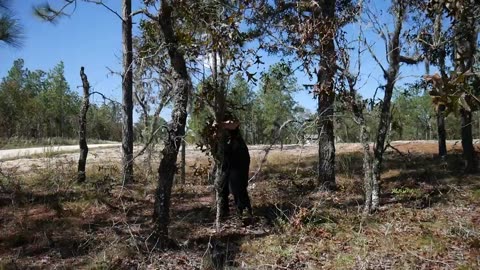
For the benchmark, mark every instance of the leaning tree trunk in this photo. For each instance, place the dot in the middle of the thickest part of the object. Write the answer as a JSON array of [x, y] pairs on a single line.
[[82, 160], [382, 133], [176, 130], [385, 114], [442, 134], [127, 93], [326, 98]]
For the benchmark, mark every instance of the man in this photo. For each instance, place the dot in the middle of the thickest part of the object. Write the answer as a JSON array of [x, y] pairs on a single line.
[[236, 168]]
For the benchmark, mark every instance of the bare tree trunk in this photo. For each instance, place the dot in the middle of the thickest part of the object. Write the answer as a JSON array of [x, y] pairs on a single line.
[[439, 45], [326, 98], [442, 134], [218, 149], [127, 93], [357, 109], [176, 130], [385, 114], [367, 167], [184, 163], [465, 46], [467, 141], [381, 137], [82, 160]]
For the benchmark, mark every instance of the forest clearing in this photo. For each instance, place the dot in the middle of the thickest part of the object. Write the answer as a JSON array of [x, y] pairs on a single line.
[[429, 218]]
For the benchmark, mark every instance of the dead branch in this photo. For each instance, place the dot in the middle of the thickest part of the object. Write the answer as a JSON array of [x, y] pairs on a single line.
[[267, 149]]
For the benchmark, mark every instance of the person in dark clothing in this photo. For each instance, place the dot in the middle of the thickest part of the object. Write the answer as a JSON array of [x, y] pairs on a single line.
[[236, 167]]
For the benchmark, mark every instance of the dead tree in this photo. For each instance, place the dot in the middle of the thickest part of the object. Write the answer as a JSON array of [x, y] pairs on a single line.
[[348, 94], [82, 160]]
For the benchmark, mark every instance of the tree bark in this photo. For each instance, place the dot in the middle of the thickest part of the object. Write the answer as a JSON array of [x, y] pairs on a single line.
[[326, 98], [467, 141], [183, 163], [82, 160], [367, 166], [465, 46], [218, 149], [127, 93], [385, 114], [176, 130], [442, 134], [357, 109], [439, 45]]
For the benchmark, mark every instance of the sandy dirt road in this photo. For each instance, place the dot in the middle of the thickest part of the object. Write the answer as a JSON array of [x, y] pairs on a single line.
[[21, 160], [25, 152]]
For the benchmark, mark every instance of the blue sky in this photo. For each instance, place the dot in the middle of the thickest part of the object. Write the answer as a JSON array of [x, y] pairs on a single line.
[[91, 37]]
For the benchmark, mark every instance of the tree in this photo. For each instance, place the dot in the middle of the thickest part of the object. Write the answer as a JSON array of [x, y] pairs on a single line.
[[166, 23], [241, 99], [220, 43], [82, 133], [127, 92], [465, 27], [105, 121], [13, 98], [393, 51], [307, 30], [348, 95], [37, 103], [60, 103], [10, 28], [455, 92], [275, 100], [48, 13], [412, 114]]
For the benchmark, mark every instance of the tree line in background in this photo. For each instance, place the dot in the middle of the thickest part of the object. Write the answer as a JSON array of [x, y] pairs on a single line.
[[40, 104]]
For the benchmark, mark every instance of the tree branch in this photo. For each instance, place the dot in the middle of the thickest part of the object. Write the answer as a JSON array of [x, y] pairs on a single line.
[[144, 12], [100, 2], [411, 60]]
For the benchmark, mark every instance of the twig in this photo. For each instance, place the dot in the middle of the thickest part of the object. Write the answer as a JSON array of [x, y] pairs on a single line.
[[105, 97], [428, 260]]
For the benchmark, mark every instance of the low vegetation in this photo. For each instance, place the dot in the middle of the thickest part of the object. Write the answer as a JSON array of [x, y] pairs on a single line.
[[19, 142], [427, 219]]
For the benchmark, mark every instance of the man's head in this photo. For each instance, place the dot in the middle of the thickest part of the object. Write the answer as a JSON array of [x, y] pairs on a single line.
[[230, 122]]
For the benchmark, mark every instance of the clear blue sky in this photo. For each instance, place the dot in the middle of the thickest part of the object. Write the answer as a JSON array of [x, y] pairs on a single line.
[[91, 37]]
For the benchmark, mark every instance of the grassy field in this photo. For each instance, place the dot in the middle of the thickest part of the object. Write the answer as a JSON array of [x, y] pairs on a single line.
[[429, 218]]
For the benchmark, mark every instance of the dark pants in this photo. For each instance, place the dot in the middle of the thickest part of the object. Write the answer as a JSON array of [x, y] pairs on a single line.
[[236, 183]]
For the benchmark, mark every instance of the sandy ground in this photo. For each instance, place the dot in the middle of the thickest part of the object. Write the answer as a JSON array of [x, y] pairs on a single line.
[[25, 152], [21, 160]]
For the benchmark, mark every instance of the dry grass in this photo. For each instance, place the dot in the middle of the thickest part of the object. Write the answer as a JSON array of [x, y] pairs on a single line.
[[429, 218]]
